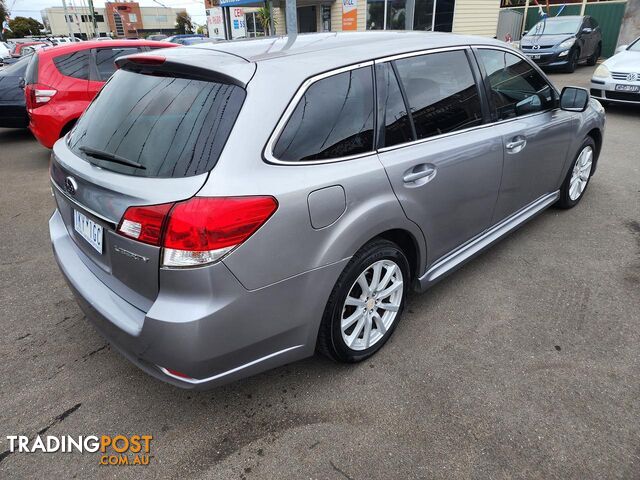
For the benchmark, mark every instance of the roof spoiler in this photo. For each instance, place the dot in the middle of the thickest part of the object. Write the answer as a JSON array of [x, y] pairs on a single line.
[[161, 66]]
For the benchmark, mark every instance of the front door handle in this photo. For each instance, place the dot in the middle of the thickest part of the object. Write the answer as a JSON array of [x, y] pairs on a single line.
[[516, 144], [424, 171]]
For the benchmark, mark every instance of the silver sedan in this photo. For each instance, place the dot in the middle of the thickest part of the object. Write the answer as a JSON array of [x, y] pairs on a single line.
[[617, 80]]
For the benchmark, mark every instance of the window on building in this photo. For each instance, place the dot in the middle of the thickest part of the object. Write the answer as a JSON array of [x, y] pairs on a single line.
[[333, 119], [393, 120], [133, 18], [253, 25], [516, 87], [74, 64], [441, 92], [429, 15]]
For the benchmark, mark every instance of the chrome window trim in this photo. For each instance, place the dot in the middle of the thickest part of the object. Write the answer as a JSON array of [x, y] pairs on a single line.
[[268, 150]]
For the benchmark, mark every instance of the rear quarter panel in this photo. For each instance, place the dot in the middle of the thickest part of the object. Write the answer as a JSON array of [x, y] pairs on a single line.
[[287, 244]]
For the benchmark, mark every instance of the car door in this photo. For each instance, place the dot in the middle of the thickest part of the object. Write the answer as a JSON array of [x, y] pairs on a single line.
[[103, 65], [443, 164], [535, 132]]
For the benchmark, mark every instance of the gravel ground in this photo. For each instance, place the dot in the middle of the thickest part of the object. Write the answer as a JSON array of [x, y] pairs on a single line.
[[524, 364]]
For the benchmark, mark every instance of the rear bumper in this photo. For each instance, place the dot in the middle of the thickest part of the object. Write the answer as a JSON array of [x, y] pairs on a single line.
[[204, 323]]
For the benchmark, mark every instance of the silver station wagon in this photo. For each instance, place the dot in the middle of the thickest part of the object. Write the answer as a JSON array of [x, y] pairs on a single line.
[[227, 208]]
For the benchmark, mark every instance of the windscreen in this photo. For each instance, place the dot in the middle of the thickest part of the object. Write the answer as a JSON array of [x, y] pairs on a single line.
[[154, 126], [556, 26], [635, 46]]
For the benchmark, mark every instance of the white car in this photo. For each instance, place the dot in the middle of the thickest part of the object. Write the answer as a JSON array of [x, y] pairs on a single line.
[[5, 50], [617, 80]]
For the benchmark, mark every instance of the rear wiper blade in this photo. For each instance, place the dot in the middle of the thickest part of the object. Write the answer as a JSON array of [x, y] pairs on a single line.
[[110, 157]]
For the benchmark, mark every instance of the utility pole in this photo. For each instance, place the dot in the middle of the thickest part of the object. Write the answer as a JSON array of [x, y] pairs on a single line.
[[93, 18], [291, 17], [66, 18]]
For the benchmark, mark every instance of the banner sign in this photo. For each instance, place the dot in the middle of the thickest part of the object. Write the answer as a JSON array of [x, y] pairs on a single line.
[[215, 22], [349, 14], [238, 26]]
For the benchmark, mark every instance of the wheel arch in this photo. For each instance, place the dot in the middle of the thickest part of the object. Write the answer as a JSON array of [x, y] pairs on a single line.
[[596, 135]]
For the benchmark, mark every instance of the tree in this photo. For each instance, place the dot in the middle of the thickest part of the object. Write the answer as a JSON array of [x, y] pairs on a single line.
[[183, 23], [264, 17], [23, 26]]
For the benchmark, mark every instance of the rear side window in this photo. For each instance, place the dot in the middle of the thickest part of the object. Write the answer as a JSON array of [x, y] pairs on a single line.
[[31, 74], [105, 58], [441, 91], [393, 118], [333, 119], [516, 87], [74, 64], [173, 127]]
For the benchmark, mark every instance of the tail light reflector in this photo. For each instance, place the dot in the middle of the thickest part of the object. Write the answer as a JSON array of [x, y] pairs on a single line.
[[197, 231], [37, 95]]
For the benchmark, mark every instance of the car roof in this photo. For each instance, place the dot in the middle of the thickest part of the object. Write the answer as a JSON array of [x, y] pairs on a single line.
[[345, 47], [77, 46]]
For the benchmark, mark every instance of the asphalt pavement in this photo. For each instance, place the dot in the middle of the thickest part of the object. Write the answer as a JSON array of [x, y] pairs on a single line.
[[523, 364]]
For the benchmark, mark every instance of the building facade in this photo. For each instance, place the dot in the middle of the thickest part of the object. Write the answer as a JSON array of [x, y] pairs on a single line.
[[116, 19], [478, 17]]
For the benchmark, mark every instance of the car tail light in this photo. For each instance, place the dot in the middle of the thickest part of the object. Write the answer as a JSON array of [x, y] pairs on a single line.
[[147, 59], [200, 230], [37, 95], [145, 223]]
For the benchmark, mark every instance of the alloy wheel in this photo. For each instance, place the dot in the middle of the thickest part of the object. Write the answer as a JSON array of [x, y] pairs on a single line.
[[581, 172], [372, 305]]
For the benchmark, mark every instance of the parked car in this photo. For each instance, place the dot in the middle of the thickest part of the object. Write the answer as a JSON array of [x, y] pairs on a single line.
[[62, 81], [617, 79], [5, 51], [180, 39], [27, 48], [212, 227], [563, 42], [157, 37], [13, 110]]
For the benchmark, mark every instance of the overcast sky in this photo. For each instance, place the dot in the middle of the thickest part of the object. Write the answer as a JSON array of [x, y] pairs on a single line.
[[32, 8]]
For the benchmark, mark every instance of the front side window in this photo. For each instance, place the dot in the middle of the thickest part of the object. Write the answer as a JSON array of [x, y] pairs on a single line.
[[441, 92], [106, 57], [74, 64], [333, 119], [516, 87]]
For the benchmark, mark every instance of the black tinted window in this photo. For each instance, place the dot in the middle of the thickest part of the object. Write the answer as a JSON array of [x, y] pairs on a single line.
[[516, 87], [393, 119], [74, 64], [105, 58], [333, 119], [174, 127], [441, 92]]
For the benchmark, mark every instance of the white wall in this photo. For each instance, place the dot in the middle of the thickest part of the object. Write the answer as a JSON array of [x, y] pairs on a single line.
[[476, 17]]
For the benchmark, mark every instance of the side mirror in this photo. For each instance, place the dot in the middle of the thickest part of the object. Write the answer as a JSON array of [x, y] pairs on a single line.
[[529, 105], [574, 99], [587, 30], [621, 48]]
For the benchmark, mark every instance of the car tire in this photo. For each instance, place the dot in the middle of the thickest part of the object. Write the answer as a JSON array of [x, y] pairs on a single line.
[[572, 61], [578, 176], [358, 322], [593, 59]]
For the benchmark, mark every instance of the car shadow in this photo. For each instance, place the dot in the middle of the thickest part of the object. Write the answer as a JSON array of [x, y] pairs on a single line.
[[14, 135]]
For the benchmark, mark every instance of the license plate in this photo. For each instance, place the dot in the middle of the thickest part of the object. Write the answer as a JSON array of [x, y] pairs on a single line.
[[535, 57], [628, 88], [89, 230]]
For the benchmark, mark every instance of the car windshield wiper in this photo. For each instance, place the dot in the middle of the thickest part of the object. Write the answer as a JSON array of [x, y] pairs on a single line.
[[110, 157]]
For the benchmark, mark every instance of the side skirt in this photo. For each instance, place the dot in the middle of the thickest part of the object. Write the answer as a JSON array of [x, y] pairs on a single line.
[[471, 249]]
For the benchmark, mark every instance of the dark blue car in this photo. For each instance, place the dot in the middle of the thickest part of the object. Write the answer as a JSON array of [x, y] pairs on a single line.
[[13, 110], [563, 42]]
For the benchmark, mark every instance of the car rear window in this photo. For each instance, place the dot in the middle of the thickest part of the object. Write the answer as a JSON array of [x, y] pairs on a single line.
[[173, 127]]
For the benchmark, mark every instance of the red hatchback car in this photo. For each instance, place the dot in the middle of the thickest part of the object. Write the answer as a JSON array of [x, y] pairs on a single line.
[[60, 82]]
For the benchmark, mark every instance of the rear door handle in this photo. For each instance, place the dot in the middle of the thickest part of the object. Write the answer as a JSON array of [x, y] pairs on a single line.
[[423, 171]]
